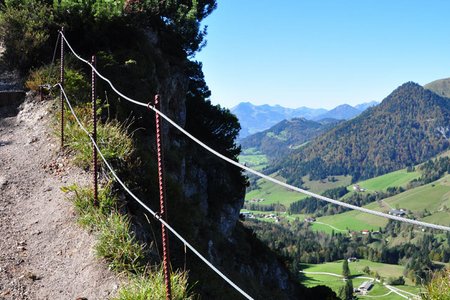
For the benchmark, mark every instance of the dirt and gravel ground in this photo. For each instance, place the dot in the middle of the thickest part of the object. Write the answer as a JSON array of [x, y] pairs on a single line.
[[44, 254]]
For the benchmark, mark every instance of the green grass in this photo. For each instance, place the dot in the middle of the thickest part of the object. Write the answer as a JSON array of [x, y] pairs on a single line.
[[320, 186], [152, 287], [384, 270], [433, 196], [116, 243], [254, 159], [352, 220], [273, 193], [398, 178], [112, 138]]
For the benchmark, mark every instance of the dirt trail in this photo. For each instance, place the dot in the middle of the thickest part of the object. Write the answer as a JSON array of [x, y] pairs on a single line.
[[44, 254]]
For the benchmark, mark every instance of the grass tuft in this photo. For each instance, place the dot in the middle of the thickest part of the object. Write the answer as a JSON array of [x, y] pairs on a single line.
[[152, 287], [112, 138], [118, 245], [116, 242]]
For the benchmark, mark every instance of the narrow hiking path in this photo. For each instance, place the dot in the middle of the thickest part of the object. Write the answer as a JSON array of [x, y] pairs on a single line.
[[44, 254]]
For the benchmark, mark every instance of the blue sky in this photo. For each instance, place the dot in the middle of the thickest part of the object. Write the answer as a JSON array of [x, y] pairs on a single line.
[[322, 53]]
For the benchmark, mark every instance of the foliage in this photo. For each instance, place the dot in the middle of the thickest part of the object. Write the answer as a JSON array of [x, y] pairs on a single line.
[[439, 286], [432, 170], [298, 244], [346, 291], [312, 205], [218, 128], [25, 27], [98, 9], [180, 19], [345, 269], [152, 287], [40, 76], [396, 280]]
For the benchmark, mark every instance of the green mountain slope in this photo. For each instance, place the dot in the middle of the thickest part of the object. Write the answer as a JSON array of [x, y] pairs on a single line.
[[286, 135], [408, 127], [440, 87]]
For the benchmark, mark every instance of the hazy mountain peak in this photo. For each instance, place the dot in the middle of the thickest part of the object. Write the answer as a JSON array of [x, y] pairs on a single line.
[[440, 87]]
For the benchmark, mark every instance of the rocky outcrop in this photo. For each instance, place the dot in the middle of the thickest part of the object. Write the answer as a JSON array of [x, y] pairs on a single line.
[[208, 207]]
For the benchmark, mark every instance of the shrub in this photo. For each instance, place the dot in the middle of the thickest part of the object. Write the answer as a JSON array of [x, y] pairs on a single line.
[[25, 28], [439, 286]]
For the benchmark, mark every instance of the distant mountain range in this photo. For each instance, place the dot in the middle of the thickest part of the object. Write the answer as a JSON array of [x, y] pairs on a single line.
[[410, 126], [256, 118]]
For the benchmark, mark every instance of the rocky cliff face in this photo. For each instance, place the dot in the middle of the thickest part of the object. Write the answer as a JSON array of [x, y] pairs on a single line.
[[205, 204]]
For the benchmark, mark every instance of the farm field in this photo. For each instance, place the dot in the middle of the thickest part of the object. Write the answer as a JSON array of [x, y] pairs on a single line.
[[352, 220], [253, 159], [434, 197], [273, 194], [398, 178], [385, 270], [320, 186]]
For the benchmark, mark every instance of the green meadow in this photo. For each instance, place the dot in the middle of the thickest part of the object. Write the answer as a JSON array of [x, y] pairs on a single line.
[[253, 159], [273, 193], [384, 270], [434, 197], [398, 178]]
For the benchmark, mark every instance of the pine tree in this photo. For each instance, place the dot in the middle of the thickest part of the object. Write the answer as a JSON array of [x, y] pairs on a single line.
[[345, 269], [346, 291]]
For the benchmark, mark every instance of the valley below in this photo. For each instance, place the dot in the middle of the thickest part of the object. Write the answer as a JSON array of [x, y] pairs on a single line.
[[314, 237]]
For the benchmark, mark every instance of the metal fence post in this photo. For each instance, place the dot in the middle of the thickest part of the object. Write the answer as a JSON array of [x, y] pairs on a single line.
[[62, 86], [162, 203], [94, 131]]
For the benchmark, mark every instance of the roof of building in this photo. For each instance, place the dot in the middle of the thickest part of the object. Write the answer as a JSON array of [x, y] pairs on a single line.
[[366, 285]]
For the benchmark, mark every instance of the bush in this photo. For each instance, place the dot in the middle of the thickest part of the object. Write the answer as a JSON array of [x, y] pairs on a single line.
[[44, 75], [396, 281], [25, 28], [439, 286]]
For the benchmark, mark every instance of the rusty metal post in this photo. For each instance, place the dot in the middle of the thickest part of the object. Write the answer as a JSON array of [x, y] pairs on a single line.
[[41, 93], [94, 130], [162, 203], [62, 86]]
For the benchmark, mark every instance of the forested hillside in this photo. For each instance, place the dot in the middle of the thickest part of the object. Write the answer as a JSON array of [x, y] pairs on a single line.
[[286, 136], [408, 127]]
